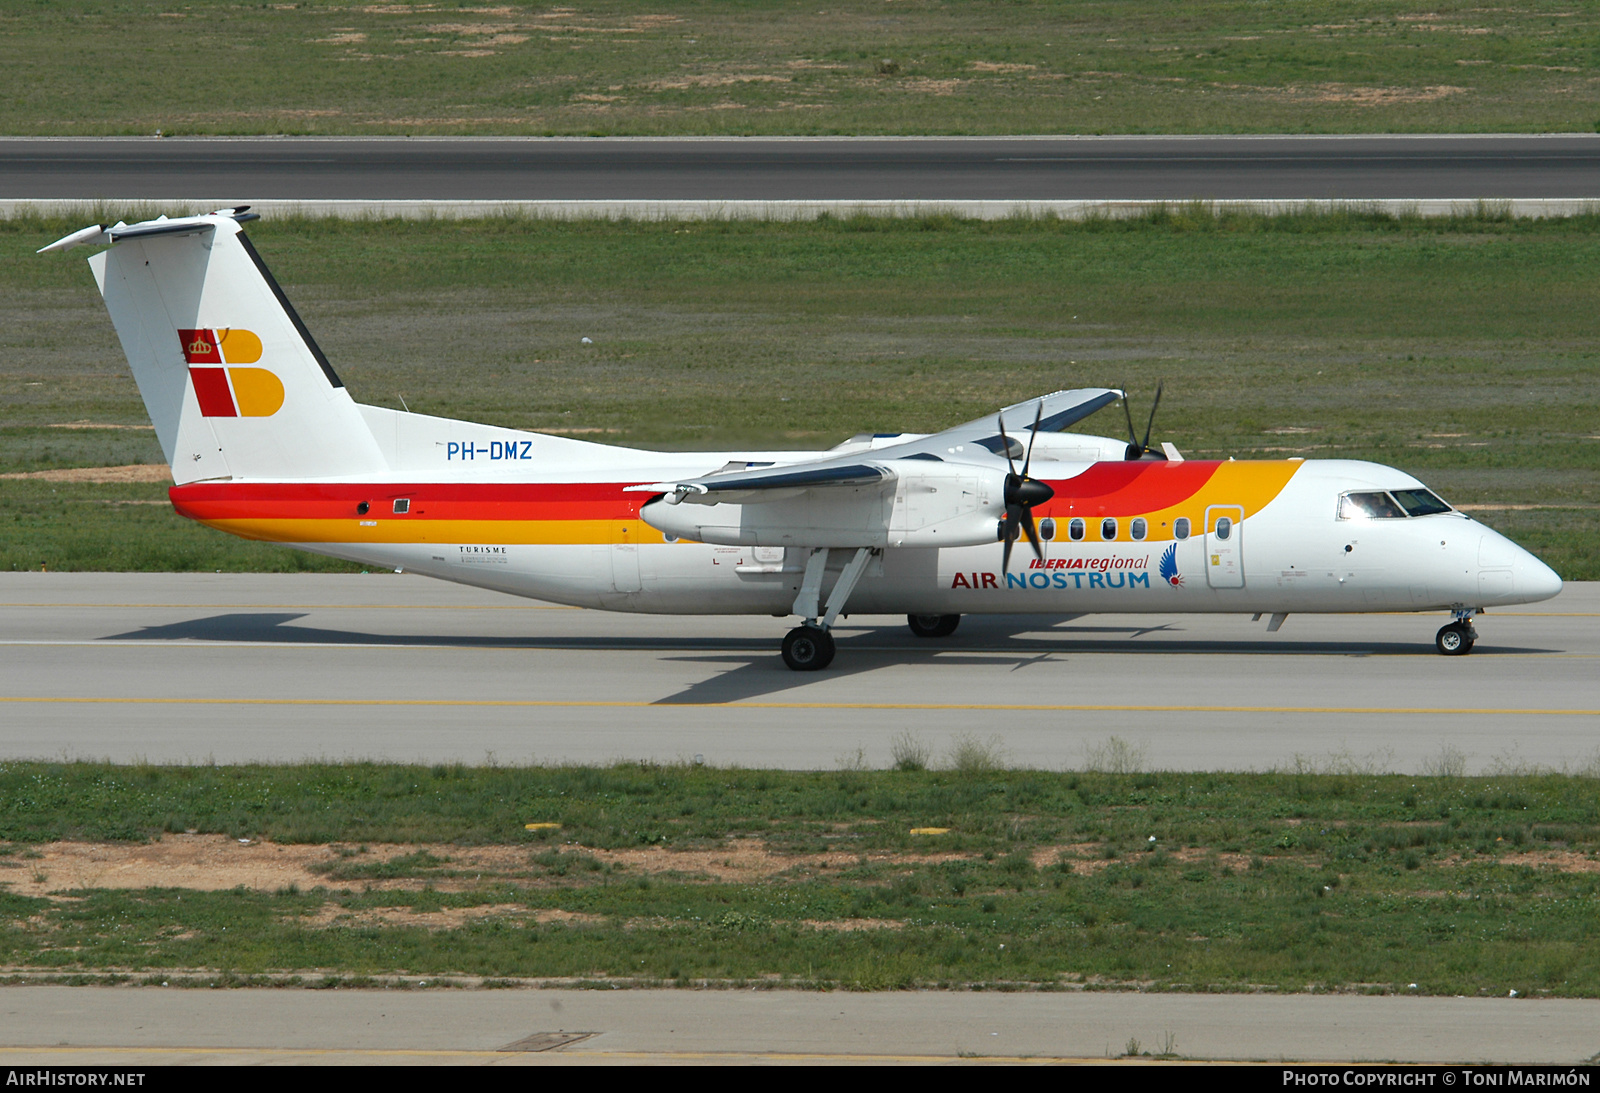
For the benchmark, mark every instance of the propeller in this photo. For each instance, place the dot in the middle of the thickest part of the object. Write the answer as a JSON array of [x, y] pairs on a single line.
[[1138, 449], [1021, 494]]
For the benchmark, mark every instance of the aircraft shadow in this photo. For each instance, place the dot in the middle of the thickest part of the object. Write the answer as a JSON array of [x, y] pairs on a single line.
[[754, 670], [276, 628], [765, 675]]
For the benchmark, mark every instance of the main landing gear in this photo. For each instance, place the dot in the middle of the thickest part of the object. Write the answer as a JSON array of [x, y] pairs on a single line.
[[809, 646], [933, 626], [1457, 638]]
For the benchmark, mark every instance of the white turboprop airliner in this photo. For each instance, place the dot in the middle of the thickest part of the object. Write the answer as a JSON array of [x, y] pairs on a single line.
[[266, 443]]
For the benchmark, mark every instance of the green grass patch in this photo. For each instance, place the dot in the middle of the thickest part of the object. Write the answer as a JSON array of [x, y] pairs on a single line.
[[749, 67], [128, 527], [1462, 350], [1288, 881]]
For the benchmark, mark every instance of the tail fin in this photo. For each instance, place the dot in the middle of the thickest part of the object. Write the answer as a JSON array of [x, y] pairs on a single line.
[[234, 383]]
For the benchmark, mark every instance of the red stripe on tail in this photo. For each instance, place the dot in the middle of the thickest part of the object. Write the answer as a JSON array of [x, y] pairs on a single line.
[[211, 388]]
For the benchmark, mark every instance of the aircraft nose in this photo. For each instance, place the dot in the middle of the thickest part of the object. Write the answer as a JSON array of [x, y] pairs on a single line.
[[1535, 580]]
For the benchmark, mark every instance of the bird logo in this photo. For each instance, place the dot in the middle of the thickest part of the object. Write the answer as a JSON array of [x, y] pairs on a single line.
[[1169, 566]]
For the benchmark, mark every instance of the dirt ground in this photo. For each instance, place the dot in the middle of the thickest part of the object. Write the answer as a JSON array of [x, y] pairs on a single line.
[[217, 863], [132, 472]]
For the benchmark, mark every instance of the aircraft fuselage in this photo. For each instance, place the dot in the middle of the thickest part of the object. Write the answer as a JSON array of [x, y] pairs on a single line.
[[1140, 536]]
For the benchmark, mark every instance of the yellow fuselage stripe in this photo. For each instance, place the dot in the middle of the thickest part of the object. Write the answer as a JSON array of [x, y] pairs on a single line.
[[391, 530]]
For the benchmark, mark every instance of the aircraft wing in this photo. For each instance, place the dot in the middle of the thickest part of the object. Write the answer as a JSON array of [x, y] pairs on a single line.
[[974, 442], [1060, 409]]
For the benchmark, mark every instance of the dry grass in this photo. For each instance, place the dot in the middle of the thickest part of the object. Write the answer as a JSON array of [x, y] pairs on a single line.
[[766, 66]]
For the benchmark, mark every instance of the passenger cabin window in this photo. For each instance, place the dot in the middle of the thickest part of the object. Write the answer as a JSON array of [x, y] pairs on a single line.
[[1108, 529], [402, 504], [1224, 527], [1075, 529], [1369, 506], [1047, 528], [1139, 528], [1180, 528]]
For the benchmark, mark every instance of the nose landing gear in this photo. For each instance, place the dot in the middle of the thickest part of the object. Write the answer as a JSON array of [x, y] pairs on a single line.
[[1457, 638]]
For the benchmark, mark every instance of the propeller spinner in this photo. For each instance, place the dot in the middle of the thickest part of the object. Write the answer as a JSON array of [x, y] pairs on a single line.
[[1021, 494]]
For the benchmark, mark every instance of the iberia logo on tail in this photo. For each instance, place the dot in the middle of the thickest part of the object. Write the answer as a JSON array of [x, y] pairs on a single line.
[[230, 392]]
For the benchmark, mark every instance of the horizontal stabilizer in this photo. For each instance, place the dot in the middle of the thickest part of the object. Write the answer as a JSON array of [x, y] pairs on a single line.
[[98, 235]]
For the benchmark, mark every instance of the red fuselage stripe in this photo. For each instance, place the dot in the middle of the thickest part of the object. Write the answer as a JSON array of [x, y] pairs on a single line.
[[1121, 488]]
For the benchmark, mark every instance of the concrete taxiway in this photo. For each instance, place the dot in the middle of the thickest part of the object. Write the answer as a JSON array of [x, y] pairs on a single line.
[[130, 1026], [231, 668]]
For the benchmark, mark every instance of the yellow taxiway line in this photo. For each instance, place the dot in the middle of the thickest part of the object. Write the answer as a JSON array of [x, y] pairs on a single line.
[[557, 703]]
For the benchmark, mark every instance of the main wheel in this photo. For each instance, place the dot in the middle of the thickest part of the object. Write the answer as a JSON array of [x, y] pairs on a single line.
[[1455, 640], [808, 649], [933, 626]]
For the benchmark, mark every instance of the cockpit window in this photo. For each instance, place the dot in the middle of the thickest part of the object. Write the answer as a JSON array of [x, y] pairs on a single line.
[[1420, 502], [1369, 506]]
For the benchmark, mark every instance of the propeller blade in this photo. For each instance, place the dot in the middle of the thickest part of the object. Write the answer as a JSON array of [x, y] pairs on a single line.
[[1132, 451], [1010, 537], [1006, 441], [1145, 447], [1037, 418], [1033, 535]]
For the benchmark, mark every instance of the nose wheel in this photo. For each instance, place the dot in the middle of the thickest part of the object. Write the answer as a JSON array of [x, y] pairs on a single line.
[[808, 649], [1456, 639]]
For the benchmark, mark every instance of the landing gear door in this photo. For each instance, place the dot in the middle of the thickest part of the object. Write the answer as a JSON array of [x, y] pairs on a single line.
[[1224, 546]]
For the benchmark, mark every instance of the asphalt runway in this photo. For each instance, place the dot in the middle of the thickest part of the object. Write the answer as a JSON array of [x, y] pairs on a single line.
[[922, 169], [131, 1026], [232, 668]]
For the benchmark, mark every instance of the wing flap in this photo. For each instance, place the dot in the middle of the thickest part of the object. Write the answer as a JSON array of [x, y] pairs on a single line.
[[769, 484]]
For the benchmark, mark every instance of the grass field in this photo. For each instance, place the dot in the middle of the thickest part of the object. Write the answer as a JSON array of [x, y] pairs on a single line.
[[81, 67], [692, 875], [1462, 351]]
